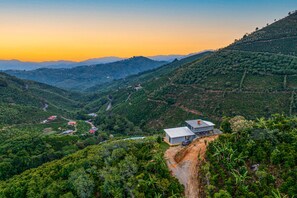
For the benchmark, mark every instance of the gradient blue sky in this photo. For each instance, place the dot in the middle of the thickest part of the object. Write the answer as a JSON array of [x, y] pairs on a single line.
[[76, 30]]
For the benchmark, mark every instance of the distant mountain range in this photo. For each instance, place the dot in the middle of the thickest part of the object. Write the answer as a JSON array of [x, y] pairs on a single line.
[[84, 77], [20, 65]]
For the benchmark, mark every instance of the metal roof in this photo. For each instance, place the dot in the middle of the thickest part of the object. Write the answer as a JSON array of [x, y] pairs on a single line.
[[194, 123], [179, 132]]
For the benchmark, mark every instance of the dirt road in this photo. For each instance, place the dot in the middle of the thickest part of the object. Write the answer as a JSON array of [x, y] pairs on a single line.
[[186, 170], [188, 110], [91, 124], [109, 106]]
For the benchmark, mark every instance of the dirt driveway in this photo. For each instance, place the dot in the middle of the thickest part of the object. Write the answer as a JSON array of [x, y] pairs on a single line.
[[184, 164]]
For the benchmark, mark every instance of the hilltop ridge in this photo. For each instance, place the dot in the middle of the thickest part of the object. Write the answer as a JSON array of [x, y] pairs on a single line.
[[236, 80], [280, 37]]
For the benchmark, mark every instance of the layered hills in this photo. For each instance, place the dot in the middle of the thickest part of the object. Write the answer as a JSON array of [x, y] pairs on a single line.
[[21, 65], [255, 76], [236, 80], [83, 77]]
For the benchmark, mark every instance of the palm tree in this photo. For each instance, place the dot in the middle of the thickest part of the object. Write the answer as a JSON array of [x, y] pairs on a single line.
[[240, 179], [261, 123], [277, 194], [151, 182], [174, 195]]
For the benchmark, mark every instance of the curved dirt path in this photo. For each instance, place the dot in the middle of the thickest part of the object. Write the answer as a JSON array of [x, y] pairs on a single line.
[[187, 169], [189, 110]]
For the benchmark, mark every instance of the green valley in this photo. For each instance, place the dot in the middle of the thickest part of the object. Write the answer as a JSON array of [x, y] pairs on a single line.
[[102, 135], [24, 101]]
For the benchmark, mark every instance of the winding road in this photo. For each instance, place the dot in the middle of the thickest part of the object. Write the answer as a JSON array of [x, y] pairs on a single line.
[[109, 106]]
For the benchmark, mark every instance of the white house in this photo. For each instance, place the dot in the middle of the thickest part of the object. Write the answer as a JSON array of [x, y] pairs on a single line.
[[193, 129], [178, 135]]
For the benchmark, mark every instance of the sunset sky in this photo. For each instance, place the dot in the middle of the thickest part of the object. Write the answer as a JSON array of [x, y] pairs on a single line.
[[35, 30]]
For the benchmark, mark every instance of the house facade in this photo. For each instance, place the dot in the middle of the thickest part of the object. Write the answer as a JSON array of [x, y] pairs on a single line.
[[200, 126], [192, 130]]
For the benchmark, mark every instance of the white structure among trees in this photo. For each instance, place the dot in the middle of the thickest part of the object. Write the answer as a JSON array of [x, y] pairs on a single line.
[[193, 129]]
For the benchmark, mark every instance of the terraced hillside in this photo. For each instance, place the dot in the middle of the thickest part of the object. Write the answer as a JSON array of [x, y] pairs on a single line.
[[125, 88], [279, 37], [24, 101], [225, 83], [146, 75]]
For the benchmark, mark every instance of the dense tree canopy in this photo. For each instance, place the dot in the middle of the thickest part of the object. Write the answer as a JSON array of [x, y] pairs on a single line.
[[29, 146], [259, 159], [116, 169]]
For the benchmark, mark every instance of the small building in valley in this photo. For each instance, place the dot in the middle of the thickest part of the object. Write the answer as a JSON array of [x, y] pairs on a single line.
[[71, 123], [138, 87], [193, 129], [44, 121], [52, 118], [68, 132], [93, 130], [92, 114]]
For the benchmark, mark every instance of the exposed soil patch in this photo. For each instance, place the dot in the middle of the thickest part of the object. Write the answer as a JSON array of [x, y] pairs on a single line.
[[189, 110], [47, 130], [157, 101], [184, 163]]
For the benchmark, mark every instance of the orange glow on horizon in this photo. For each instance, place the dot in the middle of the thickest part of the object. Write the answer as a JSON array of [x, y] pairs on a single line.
[[79, 38], [78, 30], [44, 45]]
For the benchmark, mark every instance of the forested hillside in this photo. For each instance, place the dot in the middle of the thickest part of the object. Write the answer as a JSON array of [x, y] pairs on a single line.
[[29, 146], [279, 37], [23, 101], [146, 75], [252, 159], [231, 81], [133, 168], [83, 77]]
